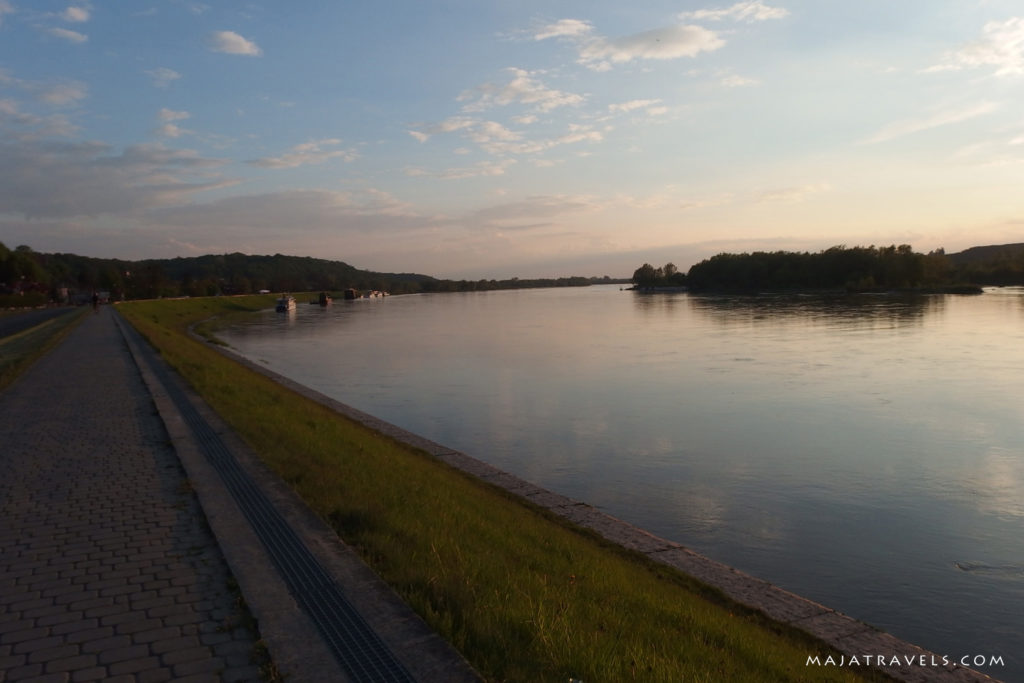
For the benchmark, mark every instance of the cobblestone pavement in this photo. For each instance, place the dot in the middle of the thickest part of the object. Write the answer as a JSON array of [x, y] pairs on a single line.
[[107, 568]]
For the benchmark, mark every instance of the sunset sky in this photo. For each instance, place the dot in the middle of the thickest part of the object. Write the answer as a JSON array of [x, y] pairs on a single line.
[[509, 138]]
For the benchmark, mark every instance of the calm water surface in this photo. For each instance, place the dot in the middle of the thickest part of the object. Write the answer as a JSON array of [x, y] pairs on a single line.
[[865, 452]]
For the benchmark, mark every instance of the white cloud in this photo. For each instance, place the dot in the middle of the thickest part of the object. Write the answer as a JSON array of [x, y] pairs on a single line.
[[522, 89], [791, 195], [632, 105], [29, 126], [749, 11], [1001, 46], [171, 115], [495, 138], [70, 36], [484, 168], [673, 42], [169, 129], [734, 81], [75, 14], [943, 118], [449, 125], [64, 93], [314, 152], [564, 28], [233, 44], [508, 145], [162, 76]]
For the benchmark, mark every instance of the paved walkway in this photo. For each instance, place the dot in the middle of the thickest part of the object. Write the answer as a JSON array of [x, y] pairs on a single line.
[[114, 560], [108, 570]]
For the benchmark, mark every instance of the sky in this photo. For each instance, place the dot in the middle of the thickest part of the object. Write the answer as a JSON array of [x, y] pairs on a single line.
[[470, 139]]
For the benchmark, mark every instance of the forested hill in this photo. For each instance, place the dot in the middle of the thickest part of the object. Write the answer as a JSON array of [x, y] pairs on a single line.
[[25, 270], [41, 277], [854, 268]]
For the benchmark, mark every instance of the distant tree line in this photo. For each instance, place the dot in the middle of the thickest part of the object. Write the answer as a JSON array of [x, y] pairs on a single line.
[[850, 268], [32, 278], [647, 276], [513, 283]]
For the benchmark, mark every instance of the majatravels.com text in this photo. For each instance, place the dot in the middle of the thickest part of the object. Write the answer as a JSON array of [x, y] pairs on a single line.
[[905, 660]]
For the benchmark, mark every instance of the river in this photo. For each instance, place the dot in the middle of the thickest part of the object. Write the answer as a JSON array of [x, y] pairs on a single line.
[[866, 452]]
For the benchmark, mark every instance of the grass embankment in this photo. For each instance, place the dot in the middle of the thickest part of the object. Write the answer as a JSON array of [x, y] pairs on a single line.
[[19, 350], [522, 595]]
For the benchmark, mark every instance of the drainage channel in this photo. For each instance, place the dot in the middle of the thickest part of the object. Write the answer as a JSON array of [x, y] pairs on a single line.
[[360, 652]]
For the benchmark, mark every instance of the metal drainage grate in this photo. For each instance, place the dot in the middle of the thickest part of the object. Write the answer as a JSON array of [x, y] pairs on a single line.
[[361, 653]]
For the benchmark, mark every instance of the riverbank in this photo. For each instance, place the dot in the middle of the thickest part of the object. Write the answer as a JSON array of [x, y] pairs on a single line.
[[522, 594]]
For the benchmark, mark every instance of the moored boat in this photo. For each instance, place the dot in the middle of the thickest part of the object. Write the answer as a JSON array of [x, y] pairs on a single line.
[[285, 303]]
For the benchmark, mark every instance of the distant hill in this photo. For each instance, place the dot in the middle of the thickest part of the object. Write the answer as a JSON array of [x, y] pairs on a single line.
[[32, 278], [991, 253], [23, 271]]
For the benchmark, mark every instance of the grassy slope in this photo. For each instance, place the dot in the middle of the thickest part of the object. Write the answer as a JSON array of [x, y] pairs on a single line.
[[522, 595], [18, 351]]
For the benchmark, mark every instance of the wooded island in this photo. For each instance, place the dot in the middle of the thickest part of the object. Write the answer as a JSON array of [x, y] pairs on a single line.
[[862, 269]]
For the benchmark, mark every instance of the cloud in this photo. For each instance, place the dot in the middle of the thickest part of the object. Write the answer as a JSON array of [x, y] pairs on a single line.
[[233, 44], [564, 28], [59, 95], [319, 212], [673, 42], [57, 180], [5, 8], [168, 128], [734, 81], [75, 14], [1001, 46], [901, 128], [162, 76], [790, 195], [62, 94], [29, 126], [494, 138], [632, 105], [749, 11], [315, 152], [171, 130], [70, 36], [171, 115], [484, 168], [512, 215], [522, 89], [577, 133]]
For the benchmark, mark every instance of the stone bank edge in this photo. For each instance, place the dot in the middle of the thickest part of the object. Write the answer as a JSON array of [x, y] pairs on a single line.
[[855, 639]]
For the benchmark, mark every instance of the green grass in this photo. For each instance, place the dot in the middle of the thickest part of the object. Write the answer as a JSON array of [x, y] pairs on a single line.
[[523, 595], [18, 351]]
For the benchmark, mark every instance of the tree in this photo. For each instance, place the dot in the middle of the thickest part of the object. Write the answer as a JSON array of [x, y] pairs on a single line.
[[645, 276]]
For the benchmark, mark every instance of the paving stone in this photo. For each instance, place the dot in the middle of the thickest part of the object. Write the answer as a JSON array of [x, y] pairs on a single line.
[[71, 664], [99, 524], [134, 666], [96, 673]]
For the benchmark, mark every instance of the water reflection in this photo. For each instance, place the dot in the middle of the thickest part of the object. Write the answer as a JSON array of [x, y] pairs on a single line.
[[891, 309]]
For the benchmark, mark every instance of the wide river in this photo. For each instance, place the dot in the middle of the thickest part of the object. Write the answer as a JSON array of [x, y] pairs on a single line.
[[866, 452]]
